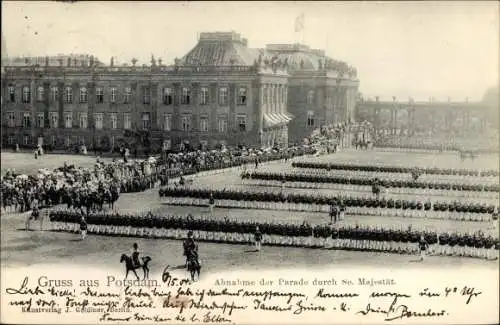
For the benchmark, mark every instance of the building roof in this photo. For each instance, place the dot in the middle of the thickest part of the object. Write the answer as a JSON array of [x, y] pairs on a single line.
[[296, 55], [221, 49]]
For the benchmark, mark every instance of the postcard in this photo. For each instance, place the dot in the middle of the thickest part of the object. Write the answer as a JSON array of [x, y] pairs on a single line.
[[249, 162]]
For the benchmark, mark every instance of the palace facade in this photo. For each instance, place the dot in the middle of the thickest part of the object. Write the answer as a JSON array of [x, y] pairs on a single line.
[[221, 92]]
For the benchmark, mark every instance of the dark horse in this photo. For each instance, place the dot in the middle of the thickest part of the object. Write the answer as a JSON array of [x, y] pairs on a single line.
[[193, 265], [131, 267]]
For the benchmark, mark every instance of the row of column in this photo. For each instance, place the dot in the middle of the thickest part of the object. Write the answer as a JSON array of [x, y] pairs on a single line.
[[273, 98]]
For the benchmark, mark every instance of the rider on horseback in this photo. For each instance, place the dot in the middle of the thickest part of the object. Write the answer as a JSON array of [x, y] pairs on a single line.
[[135, 256], [190, 247]]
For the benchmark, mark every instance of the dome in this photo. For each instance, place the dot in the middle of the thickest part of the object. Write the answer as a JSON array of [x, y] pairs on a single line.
[[221, 49]]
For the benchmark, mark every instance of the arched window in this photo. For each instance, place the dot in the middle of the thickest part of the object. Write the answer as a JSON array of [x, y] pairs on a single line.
[[40, 94], [26, 94]]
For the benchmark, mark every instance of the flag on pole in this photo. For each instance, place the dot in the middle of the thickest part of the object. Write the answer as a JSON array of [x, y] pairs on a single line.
[[299, 23]]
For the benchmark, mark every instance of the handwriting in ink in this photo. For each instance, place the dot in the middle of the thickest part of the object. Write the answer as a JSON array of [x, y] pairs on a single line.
[[93, 293], [24, 290], [211, 318], [450, 290], [427, 293], [470, 293], [399, 311], [322, 294], [388, 294], [171, 281], [267, 295], [107, 318]]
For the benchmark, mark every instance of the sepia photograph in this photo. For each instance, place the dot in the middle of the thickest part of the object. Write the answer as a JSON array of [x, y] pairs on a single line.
[[274, 162]]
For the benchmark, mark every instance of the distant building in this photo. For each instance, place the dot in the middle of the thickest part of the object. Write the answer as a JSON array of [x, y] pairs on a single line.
[[220, 92], [441, 117]]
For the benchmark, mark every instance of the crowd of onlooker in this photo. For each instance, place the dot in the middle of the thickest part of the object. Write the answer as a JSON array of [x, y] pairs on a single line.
[[91, 187]]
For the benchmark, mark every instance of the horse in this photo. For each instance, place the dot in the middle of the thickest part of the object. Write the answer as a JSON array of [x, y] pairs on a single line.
[[193, 266], [34, 215], [129, 266]]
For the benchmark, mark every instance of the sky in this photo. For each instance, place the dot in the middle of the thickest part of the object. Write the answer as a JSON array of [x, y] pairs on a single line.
[[418, 49]]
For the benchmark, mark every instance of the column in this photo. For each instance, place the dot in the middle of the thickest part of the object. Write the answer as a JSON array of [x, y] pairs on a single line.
[[213, 108], [195, 101], [33, 117], [377, 118], [154, 106], [394, 122], [232, 107], [176, 107]]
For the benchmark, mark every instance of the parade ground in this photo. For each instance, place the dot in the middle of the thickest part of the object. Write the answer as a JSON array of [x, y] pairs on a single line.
[[32, 248]]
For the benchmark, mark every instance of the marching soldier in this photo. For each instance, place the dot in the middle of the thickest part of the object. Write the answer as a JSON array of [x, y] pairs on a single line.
[[83, 227], [257, 239], [211, 203]]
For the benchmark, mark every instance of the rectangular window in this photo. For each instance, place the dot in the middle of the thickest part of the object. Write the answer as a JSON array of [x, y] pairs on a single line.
[[146, 121], [40, 119], [11, 119], [167, 96], [310, 97], [11, 139], [54, 94], [185, 97], [167, 122], [40, 94], [242, 122], [127, 124], [12, 94], [26, 120], [114, 120], [68, 95], [310, 119], [83, 120], [186, 122], [222, 125], [223, 97], [26, 94], [203, 96], [203, 124], [99, 95], [98, 120], [146, 95], [54, 119], [68, 120], [83, 95], [242, 96], [112, 95], [127, 95]]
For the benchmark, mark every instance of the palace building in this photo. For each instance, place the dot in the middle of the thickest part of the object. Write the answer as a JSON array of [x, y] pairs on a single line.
[[220, 92]]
